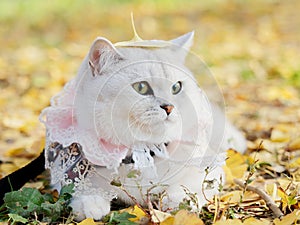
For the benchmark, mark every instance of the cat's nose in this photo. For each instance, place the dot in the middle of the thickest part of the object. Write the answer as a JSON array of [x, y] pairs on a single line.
[[167, 107]]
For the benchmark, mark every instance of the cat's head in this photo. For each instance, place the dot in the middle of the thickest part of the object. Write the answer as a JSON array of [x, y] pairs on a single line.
[[133, 94]]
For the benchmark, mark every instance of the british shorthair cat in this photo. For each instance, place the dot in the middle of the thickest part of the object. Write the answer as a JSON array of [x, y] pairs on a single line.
[[135, 115]]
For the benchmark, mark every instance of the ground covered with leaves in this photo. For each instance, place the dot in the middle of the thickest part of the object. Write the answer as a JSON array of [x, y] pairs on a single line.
[[251, 47]]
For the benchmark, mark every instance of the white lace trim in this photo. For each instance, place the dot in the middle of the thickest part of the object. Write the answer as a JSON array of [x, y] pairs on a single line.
[[62, 127], [68, 166]]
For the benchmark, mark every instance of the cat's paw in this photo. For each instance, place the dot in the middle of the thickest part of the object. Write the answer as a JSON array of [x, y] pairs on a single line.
[[174, 198], [90, 206]]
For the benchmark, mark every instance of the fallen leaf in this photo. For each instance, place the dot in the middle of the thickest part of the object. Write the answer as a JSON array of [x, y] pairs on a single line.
[[168, 221], [15, 218], [232, 197], [37, 185], [279, 135], [253, 221], [136, 211], [275, 93], [248, 221], [7, 168], [229, 222], [87, 221], [159, 216], [288, 219], [287, 199], [235, 165], [295, 163], [184, 217], [271, 189], [294, 144]]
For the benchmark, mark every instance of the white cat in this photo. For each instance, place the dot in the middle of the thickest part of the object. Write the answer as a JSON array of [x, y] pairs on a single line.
[[136, 116]]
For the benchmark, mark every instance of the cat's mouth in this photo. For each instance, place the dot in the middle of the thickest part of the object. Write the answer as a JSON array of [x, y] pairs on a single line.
[[149, 129], [152, 125]]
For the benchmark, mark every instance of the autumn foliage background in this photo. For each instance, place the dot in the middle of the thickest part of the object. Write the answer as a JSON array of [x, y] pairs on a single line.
[[252, 48]]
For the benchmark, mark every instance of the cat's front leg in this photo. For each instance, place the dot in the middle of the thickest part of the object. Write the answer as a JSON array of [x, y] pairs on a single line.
[[90, 206], [196, 182]]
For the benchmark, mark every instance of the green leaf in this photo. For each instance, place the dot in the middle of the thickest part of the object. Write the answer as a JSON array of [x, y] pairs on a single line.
[[3, 213], [116, 182], [66, 192], [15, 218], [52, 212], [29, 202], [134, 174], [48, 198], [122, 218], [292, 200], [23, 202]]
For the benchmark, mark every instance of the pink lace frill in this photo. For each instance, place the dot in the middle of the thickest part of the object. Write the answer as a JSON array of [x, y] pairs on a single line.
[[62, 127]]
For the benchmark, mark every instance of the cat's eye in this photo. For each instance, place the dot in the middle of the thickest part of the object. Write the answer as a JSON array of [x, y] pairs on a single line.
[[142, 88], [176, 88]]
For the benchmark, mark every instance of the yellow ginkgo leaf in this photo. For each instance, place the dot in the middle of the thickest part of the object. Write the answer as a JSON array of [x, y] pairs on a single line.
[[271, 189], [159, 216], [229, 222], [7, 168], [279, 135], [168, 221], [284, 198], [294, 144], [87, 221], [184, 217], [235, 165], [295, 163], [252, 220], [287, 199], [136, 211], [232, 197], [288, 219], [248, 221]]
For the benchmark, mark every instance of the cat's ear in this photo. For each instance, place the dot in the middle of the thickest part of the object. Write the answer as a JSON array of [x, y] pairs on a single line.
[[102, 54], [183, 44], [185, 41]]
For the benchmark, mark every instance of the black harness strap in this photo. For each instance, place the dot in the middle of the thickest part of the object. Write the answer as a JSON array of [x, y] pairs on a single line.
[[17, 179]]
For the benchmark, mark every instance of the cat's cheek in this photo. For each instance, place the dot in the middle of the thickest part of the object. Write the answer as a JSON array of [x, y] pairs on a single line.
[[172, 131], [174, 121]]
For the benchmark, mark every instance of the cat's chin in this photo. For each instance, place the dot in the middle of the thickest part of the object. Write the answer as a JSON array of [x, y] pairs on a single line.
[[156, 135], [162, 134]]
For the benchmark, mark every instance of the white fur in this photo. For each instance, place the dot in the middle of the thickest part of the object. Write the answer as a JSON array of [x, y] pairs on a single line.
[[107, 107]]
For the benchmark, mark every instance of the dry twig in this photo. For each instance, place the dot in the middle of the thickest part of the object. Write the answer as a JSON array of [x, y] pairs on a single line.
[[270, 203]]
